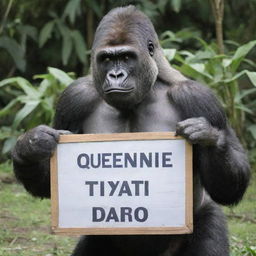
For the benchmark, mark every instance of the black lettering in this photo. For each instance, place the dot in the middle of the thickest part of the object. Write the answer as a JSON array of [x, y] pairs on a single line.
[[146, 188], [167, 159], [98, 214], [91, 186], [102, 188], [146, 160], [113, 186], [126, 212], [144, 213], [137, 184], [116, 160], [156, 159], [132, 162], [125, 189], [85, 163], [112, 215], [105, 160], [93, 164]]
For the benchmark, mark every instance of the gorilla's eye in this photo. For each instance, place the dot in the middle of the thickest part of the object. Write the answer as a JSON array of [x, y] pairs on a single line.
[[106, 59], [126, 57], [151, 48]]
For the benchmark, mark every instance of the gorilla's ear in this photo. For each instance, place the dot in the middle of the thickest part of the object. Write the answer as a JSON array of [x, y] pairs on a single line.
[[166, 73]]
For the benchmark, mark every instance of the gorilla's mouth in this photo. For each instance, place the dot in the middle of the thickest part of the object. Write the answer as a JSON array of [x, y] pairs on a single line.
[[118, 90]]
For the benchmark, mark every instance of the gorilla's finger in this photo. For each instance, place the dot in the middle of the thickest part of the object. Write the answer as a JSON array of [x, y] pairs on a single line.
[[188, 122], [46, 129], [191, 129], [64, 132], [197, 136]]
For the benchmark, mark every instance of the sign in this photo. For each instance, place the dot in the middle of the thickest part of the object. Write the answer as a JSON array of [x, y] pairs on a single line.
[[125, 183]]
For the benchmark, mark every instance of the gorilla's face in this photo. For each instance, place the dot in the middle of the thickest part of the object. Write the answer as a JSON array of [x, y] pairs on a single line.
[[124, 74]]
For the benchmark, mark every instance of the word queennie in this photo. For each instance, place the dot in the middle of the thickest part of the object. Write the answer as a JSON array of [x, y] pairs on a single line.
[[125, 160]]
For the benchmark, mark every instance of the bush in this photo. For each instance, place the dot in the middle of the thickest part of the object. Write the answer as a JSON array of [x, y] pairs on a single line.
[[229, 75], [29, 104]]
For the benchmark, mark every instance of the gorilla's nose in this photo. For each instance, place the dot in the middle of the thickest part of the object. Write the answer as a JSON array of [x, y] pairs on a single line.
[[117, 76]]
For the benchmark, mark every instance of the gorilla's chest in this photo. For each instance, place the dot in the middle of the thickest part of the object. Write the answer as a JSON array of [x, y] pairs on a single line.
[[156, 113]]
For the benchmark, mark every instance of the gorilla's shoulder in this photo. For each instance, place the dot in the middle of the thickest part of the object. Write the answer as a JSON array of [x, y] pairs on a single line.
[[79, 92], [82, 85], [189, 88], [77, 100], [193, 99]]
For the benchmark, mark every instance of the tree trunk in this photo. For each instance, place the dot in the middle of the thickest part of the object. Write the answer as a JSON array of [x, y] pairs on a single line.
[[218, 12]]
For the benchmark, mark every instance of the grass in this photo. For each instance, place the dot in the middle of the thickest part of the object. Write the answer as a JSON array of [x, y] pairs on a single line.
[[242, 223], [25, 223]]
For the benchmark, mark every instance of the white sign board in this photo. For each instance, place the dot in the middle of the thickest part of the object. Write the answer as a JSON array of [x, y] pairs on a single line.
[[130, 183]]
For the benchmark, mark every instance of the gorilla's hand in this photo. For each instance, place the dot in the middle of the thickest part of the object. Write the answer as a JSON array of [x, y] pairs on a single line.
[[199, 131], [37, 144]]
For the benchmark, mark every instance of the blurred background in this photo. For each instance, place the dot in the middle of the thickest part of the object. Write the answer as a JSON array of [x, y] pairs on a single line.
[[45, 45]]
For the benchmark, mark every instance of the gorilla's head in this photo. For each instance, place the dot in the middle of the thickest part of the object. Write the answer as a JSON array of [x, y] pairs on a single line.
[[123, 57]]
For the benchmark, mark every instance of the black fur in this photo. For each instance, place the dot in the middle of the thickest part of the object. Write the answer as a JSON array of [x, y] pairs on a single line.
[[225, 180]]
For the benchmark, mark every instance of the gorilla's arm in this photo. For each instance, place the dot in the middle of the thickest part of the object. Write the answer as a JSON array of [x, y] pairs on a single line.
[[75, 103], [32, 152], [31, 156], [218, 155]]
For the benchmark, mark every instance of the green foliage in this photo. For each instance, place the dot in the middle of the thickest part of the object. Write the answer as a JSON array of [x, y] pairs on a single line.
[[225, 74], [31, 104], [63, 30], [25, 222], [240, 247], [15, 51], [71, 38]]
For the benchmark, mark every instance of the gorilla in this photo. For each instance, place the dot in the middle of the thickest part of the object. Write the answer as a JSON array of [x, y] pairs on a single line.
[[132, 88]]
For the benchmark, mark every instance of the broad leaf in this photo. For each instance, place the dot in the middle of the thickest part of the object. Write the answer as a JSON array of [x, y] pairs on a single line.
[[199, 67], [43, 86], [71, 9], [252, 130], [193, 73], [15, 51], [6, 110], [252, 77], [66, 48], [8, 145], [80, 46], [28, 30], [244, 108], [240, 54], [176, 5], [187, 53], [161, 4], [235, 77], [62, 27], [170, 54], [22, 84], [244, 93], [45, 33], [24, 112], [60, 76]]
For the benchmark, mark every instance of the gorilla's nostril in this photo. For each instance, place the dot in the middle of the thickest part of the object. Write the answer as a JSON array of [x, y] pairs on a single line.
[[116, 75], [119, 75]]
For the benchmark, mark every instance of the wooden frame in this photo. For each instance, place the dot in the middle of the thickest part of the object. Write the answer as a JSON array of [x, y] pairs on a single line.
[[187, 228]]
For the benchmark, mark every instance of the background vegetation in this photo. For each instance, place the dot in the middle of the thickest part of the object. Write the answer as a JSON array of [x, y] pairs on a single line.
[[44, 45]]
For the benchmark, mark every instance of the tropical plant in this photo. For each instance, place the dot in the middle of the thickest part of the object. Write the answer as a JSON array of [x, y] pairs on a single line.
[[227, 76], [30, 104]]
